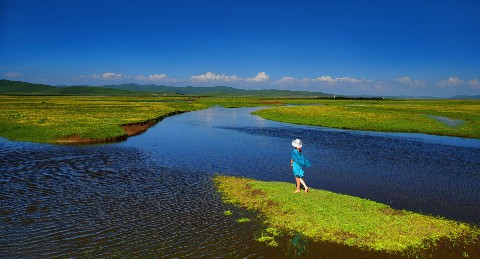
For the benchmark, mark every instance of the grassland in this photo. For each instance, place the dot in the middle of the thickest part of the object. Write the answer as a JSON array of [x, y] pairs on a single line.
[[50, 119], [418, 116], [92, 119], [54, 119], [351, 221]]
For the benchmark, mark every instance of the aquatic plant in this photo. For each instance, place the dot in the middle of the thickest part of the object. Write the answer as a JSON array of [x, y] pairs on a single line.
[[268, 236], [243, 220]]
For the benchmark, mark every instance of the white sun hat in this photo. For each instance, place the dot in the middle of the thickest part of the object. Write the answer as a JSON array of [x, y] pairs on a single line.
[[297, 143]]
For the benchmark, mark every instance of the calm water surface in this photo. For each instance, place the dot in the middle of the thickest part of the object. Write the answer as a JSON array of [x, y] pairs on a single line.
[[152, 196]]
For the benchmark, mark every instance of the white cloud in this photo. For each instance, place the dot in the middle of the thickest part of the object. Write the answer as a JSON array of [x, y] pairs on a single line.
[[339, 85], [12, 75], [260, 77], [329, 84], [474, 83], [450, 82], [351, 80], [324, 79], [404, 80], [209, 76], [409, 82], [287, 80], [292, 81], [108, 76], [155, 77]]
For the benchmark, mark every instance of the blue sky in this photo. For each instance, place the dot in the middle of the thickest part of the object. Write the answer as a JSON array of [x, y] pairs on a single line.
[[341, 47]]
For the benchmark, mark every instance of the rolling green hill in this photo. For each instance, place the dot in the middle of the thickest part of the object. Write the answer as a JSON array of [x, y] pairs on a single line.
[[217, 91], [8, 87], [24, 88], [17, 87]]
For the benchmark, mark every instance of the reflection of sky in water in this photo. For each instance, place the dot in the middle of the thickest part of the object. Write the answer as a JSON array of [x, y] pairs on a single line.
[[447, 121]]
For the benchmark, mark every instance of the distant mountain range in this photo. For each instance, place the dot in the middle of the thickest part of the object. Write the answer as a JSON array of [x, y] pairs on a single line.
[[216, 91], [24, 88], [8, 87]]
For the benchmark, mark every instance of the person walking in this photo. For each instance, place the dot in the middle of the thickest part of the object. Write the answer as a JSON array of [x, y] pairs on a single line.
[[297, 163]]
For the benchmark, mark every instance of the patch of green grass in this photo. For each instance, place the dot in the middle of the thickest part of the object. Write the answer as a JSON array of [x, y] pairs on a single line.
[[268, 236], [269, 240], [388, 116], [243, 220], [326, 216], [50, 118]]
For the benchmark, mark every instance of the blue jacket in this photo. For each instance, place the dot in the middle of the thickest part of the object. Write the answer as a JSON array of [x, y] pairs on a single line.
[[299, 161]]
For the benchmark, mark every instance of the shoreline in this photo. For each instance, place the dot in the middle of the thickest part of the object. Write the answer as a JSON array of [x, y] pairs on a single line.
[[451, 119], [130, 129]]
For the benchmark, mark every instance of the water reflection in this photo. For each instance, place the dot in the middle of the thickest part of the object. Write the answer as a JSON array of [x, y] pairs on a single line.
[[152, 196]]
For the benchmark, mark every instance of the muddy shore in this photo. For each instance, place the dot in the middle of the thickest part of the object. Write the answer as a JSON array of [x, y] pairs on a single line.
[[130, 129]]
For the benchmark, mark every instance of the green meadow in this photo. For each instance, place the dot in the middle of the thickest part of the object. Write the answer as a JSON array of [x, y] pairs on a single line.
[[324, 216], [49, 119], [459, 118]]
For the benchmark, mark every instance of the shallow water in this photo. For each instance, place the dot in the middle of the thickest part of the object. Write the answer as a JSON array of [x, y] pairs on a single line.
[[152, 196], [447, 121]]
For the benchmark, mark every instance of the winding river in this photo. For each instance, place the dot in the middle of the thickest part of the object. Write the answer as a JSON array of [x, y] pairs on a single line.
[[152, 195]]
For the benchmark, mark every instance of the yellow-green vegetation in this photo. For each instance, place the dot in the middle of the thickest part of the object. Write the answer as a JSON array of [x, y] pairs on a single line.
[[243, 220], [268, 236], [390, 116], [49, 119], [325, 216]]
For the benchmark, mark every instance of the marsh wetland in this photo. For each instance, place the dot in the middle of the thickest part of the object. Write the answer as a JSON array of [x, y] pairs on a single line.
[[153, 195]]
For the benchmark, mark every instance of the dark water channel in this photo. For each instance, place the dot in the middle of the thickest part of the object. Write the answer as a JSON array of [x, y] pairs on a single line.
[[152, 196]]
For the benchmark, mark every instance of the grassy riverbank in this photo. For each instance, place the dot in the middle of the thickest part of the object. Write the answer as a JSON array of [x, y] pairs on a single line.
[[419, 116], [94, 119], [50, 119], [77, 119], [354, 222]]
